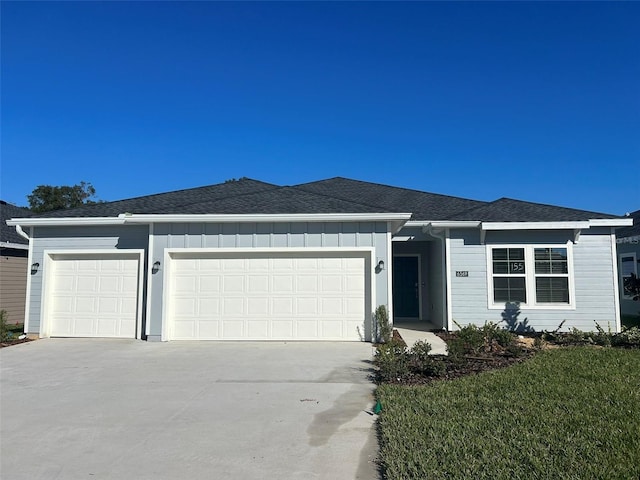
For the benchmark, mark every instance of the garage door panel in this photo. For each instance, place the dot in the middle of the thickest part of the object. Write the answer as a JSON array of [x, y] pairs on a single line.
[[267, 296], [95, 296]]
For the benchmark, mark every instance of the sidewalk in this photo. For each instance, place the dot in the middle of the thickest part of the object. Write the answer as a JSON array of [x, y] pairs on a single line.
[[412, 332]]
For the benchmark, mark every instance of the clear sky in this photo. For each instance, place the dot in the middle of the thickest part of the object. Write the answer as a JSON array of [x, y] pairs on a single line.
[[536, 101]]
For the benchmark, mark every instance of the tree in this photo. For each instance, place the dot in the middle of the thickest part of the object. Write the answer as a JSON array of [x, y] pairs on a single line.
[[46, 198]]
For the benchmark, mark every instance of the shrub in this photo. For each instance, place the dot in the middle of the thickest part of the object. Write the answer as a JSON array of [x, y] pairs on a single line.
[[5, 333], [385, 331], [472, 340], [423, 363], [392, 360], [629, 337]]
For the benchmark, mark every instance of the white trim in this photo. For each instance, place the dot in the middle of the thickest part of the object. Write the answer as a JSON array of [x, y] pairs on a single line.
[[20, 232], [616, 286], [65, 221], [150, 261], [534, 225], [447, 255], [169, 252], [258, 218], [444, 223], [27, 302], [530, 276], [45, 327], [610, 222], [389, 269], [419, 257], [16, 246]]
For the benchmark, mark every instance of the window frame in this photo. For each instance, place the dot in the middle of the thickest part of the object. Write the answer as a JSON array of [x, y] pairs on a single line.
[[635, 270], [531, 275]]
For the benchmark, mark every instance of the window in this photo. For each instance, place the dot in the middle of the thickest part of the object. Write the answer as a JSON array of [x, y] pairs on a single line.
[[533, 276], [629, 274]]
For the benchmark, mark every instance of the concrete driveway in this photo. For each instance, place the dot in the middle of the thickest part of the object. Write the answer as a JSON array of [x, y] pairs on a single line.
[[126, 409]]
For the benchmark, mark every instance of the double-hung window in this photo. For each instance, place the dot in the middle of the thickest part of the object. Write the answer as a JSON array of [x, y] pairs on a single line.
[[530, 275]]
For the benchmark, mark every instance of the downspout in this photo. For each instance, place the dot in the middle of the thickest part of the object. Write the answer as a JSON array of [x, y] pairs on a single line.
[[441, 235], [27, 300], [22, 233]]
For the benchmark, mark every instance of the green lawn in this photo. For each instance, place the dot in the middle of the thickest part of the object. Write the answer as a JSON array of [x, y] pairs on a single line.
[[570, 413]]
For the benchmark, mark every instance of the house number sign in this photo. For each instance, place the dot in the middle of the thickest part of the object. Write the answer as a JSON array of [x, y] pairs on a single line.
[[462, 273]]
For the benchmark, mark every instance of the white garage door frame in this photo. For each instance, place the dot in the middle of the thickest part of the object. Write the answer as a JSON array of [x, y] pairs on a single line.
[[368, 253], [50, 257]]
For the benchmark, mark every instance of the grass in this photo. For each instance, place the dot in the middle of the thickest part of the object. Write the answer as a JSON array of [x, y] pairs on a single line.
[[570, 413]]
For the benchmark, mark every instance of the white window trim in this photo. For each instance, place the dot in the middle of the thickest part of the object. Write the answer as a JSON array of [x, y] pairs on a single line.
[[635, 270], [530, 277]]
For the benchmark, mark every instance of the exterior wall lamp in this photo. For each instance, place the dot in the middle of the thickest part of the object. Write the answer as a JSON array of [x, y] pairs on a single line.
[[380, 266], [34, 268], [156, 266]]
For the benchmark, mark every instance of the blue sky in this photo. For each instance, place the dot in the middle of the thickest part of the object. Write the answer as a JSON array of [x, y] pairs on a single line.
[[535, 101]]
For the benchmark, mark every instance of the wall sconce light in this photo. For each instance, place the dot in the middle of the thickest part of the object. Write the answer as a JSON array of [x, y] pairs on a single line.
[[156, 267], [380, 266], [34, 268]]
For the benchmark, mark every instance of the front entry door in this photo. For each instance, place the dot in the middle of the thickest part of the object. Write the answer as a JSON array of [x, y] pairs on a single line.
[[406, 287]]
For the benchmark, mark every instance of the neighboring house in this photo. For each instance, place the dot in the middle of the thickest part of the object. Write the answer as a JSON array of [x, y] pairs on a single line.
[[629, 266], [252, 260], [14, 251]]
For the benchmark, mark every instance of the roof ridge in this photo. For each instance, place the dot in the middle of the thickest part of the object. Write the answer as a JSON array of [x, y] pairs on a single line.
[[395, 187], [383, 209], [552, 206]]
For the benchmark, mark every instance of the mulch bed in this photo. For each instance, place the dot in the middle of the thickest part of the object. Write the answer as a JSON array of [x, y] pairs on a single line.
[[14, 342], [466, 364]]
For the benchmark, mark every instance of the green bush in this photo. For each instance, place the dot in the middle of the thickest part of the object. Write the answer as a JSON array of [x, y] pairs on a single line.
[[392, 360], [5, 332], [473, 340], [385, 330], [421, 362], [629, 337]]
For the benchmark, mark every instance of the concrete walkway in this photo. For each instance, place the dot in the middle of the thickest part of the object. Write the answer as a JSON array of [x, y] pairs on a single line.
[[412, 332]]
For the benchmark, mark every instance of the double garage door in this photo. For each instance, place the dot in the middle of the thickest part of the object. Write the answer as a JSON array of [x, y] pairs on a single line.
[[268, 296]]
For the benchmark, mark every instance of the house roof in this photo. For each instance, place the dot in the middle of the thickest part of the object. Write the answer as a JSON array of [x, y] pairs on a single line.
[[423, 205], [331, 196], [634, 230], [510, 210], [8, 234]]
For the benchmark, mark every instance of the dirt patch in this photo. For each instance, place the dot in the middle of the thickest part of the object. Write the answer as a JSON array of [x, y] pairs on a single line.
[[9, 343]]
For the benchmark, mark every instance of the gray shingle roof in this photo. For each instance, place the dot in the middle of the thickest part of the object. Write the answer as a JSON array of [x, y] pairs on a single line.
[[423, 205], [178, 201], [8, 234], [334, 195], [510, 210], [632, 231]]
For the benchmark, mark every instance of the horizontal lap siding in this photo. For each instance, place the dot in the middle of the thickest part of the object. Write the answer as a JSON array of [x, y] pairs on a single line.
[[13, 287], [78, 238], [593, 275], [263, 235]]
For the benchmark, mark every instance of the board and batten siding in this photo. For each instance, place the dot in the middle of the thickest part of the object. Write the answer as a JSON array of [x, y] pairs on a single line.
[[106, 237], [13, 284], [261, 235], [592, 273]]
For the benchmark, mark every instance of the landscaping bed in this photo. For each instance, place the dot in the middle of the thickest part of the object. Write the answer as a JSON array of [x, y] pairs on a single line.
[[568, 406]]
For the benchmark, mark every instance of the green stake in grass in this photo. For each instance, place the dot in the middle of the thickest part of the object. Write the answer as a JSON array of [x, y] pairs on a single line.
[[378, 408]]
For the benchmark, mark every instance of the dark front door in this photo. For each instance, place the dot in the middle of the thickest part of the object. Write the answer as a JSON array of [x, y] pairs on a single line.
[[406, 288]]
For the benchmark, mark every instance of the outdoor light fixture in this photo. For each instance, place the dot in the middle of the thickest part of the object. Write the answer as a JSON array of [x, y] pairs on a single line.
[[380, 266], [34, 268], [156, 266]]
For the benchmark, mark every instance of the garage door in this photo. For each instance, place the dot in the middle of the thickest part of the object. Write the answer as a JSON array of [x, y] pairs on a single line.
[[314, 296], [93, 296]]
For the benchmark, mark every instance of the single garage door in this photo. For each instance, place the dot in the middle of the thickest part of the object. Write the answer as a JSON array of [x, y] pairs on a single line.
[[269, 296], [93, 296]]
